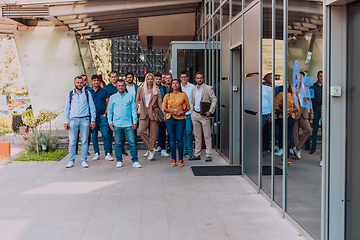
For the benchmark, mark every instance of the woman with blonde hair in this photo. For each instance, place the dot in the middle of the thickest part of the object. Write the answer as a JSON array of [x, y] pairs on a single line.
[[146, 97]]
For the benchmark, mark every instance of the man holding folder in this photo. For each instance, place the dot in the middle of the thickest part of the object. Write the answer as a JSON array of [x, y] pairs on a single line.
[[202, 106]]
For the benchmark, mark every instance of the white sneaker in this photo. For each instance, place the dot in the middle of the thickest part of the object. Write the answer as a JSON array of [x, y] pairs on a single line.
[[158, 149], [84, 164], [291, 151], [69, 165], [276, 148], [109, 157], [279, 152], [136, 165], [119, 164], [151, 155], [146, 154], [96, 157], [320, 164], [297, 152], [164, 153]]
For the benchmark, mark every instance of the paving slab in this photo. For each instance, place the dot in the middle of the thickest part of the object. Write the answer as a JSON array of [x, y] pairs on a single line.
[[44, 200]]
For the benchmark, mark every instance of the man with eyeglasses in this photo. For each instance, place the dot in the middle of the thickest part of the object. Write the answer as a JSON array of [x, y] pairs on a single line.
[[187, 87]]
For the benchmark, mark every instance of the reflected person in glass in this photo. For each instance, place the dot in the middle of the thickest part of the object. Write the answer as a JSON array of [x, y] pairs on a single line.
[[292, 108]]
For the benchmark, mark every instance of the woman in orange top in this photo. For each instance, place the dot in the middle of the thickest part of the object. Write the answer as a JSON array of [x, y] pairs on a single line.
[[175, 105], [292, 109]]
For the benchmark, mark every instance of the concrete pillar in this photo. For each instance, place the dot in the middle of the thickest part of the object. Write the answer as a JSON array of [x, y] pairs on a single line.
[[50, 60], [86, 58]]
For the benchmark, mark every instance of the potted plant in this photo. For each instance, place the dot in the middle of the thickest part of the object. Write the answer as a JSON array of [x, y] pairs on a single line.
[[5, 128]]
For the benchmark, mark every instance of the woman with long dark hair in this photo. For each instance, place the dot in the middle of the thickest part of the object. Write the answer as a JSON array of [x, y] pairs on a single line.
[[146, 97], [292, 108], [176, 104]]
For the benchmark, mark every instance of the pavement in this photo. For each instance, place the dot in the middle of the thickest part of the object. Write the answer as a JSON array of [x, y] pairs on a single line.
[[44, 200]]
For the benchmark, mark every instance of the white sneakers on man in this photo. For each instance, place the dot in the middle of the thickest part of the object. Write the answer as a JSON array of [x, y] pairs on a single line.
[[279, 152], [291, 151], [96, 157], [297, 152], [164, 153], [84, 164], [136, 165], [69, 165], [151, 155], [119, 164], [146, 153], [109, 157], [158, 149]]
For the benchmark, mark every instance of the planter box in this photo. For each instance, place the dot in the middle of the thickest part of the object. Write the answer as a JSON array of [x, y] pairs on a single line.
[[5, 150]]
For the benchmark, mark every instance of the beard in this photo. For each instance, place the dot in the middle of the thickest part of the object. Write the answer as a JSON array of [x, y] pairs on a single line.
[[78, 88]]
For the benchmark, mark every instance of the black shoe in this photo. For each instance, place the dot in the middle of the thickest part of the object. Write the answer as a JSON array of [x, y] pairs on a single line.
[[313, 150], [194, 158], [208, 159]]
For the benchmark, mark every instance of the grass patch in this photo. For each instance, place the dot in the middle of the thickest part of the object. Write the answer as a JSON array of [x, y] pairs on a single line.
[[48, 156]]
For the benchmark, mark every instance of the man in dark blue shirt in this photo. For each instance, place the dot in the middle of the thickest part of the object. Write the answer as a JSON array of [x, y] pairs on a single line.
[[317, 105], [101, 99], [112, 89]]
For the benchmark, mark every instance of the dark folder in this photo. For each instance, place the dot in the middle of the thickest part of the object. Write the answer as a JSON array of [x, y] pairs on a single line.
[[204, 107]]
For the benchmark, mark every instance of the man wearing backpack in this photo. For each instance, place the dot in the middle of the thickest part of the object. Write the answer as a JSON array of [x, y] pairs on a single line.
[[80, 115]]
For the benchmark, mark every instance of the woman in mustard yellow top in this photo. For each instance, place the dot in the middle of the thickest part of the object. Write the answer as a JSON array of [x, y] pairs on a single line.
[[292, 109], [175, 105]]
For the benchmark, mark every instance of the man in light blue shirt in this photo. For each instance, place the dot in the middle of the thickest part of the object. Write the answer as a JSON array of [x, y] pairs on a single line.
[[188, 131], [266, 110], [122, 119], [80, 115]]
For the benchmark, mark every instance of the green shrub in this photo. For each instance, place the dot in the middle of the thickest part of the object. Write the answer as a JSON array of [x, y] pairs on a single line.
[[16, 122], [52, 142]]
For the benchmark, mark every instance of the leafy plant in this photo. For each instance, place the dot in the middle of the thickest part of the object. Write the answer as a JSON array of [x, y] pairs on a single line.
[[52, 142], [48, 156], [101, 53], [43, 117], [5, 125]]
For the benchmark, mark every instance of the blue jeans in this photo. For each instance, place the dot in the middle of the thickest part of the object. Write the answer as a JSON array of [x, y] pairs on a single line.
[[175, 129], [316, 121], [76, 124], [291, 123], [188, 136], [120, 132], [102, 123]]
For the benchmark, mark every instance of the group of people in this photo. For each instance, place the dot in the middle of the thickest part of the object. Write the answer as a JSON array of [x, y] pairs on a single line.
[[119, 109], [299, 114]]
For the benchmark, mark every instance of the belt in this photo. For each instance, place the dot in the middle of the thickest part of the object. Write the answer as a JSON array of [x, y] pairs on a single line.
[[82, 117], [197, 112]]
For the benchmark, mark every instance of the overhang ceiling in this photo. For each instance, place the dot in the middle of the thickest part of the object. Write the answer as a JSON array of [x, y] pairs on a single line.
[[92, 19]]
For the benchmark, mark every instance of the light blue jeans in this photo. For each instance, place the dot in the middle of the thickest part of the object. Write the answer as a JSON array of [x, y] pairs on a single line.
[[188, 136], [120, 141], [76, 124]]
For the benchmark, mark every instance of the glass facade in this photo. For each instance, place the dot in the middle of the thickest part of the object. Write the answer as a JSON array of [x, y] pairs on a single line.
[[252, 50]]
